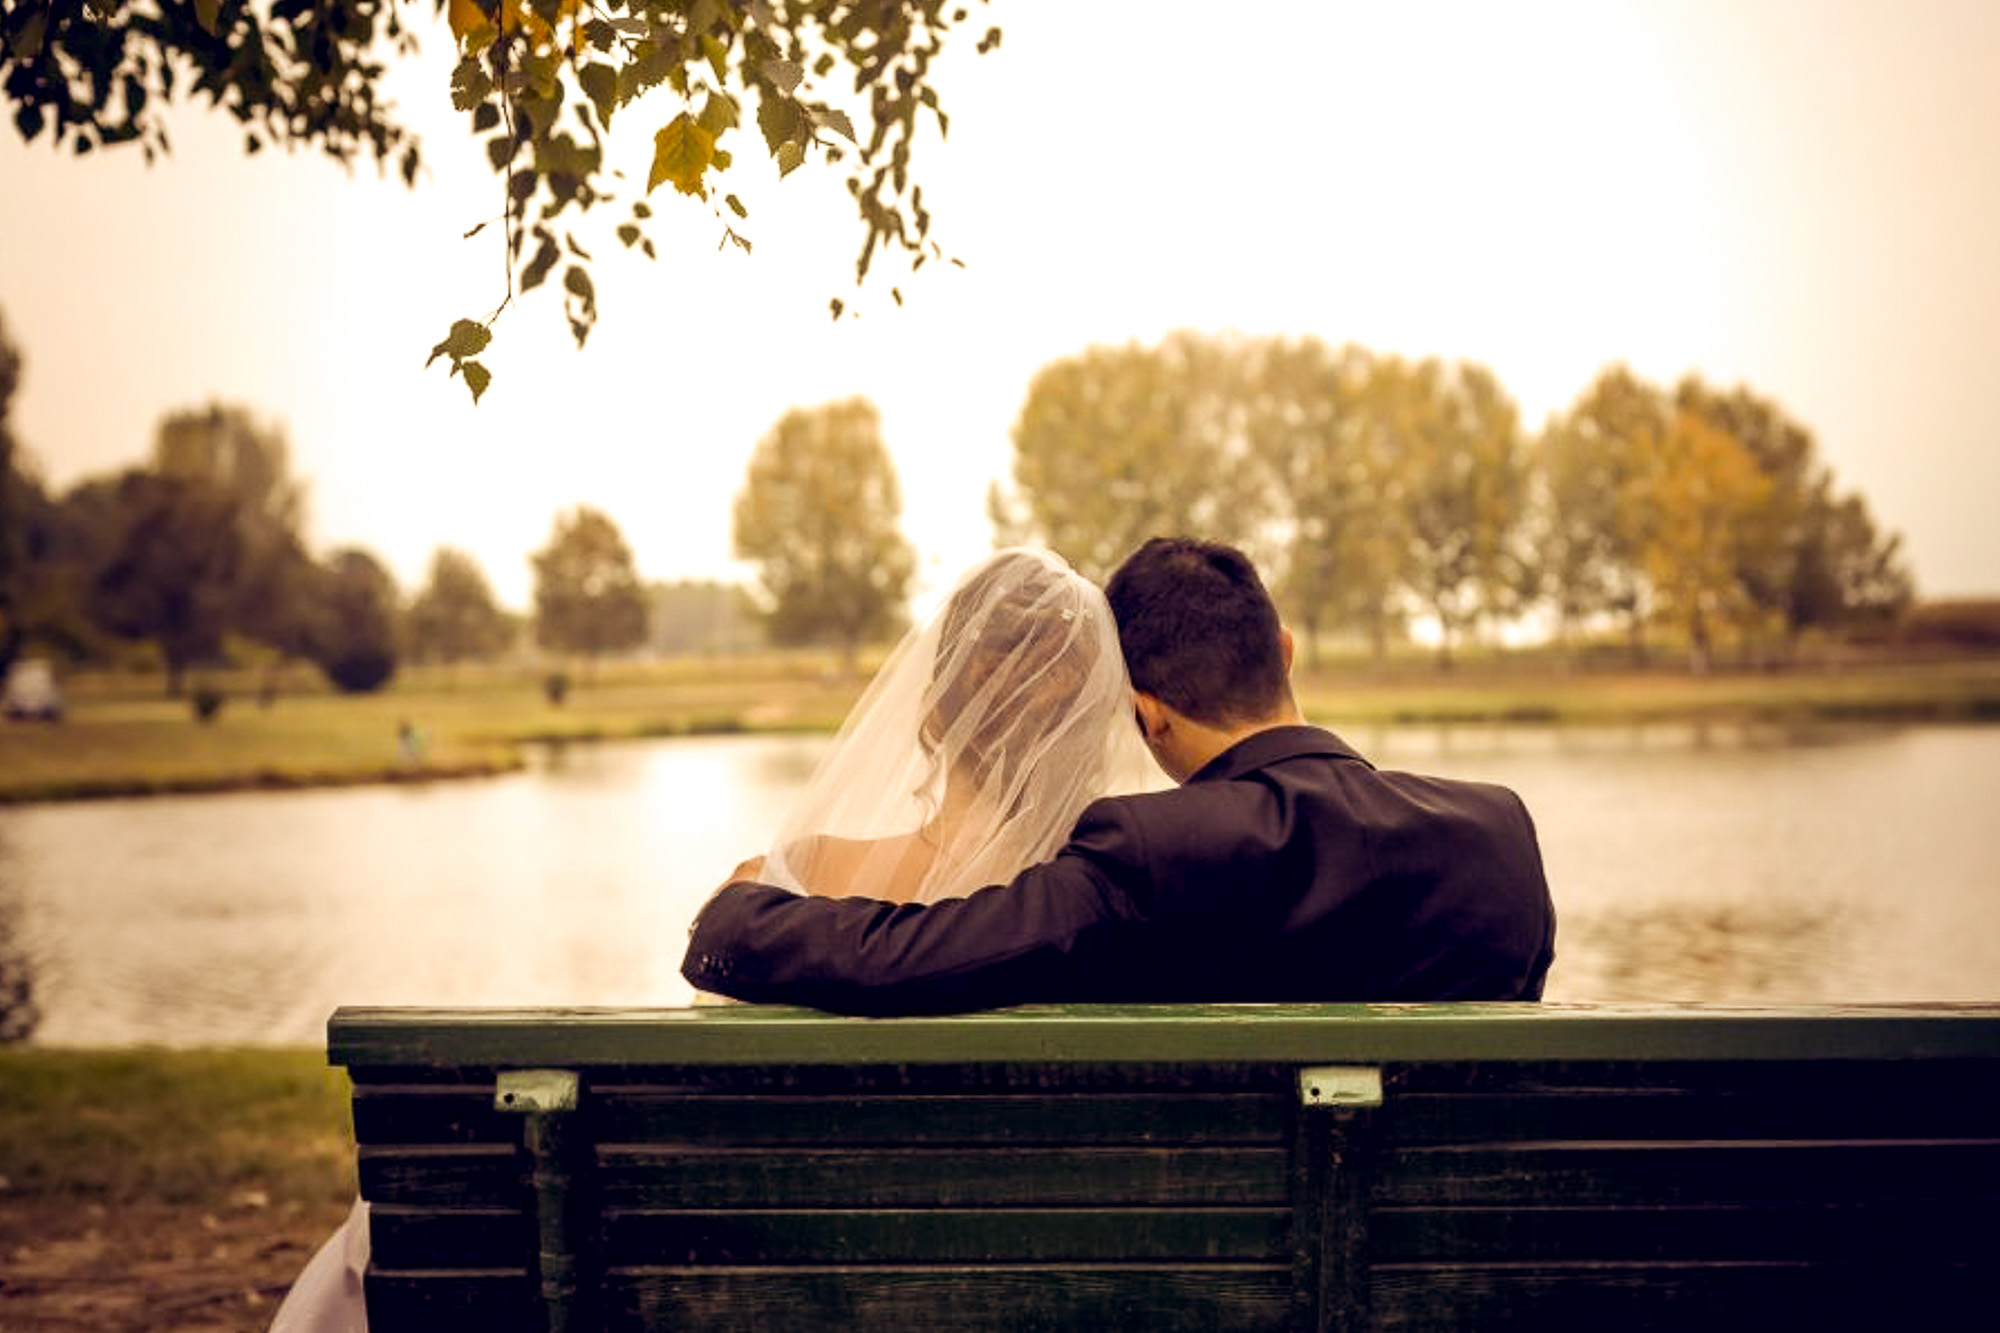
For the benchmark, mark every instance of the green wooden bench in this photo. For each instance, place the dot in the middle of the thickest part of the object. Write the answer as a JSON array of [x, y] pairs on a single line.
[[1227, 1167]]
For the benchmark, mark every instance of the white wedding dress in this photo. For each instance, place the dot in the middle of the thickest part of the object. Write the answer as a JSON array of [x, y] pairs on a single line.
[[968, 758]]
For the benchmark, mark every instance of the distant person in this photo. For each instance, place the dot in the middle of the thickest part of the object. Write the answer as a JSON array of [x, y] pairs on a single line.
[[1285, 867]]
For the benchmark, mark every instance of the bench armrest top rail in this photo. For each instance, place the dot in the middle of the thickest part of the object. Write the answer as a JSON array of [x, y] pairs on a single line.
[[1145, 1034]]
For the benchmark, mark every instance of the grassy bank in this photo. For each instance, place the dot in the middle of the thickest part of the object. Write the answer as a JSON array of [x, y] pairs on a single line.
[[203, 1129], [147, 1191], [123, 737]]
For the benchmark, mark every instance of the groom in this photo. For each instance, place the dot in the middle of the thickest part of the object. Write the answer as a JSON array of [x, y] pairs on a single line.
[[1283, 867]]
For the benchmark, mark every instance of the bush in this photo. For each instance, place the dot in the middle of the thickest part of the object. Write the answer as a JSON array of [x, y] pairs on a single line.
[[556, 686], [360, 671]]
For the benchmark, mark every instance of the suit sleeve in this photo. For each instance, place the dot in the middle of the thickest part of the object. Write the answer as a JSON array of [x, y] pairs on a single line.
[[1032, 940]]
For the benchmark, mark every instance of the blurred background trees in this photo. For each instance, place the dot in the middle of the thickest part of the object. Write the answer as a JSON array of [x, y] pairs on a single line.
[[588, 599], [1378, 493], [454, 617], [819, 516]]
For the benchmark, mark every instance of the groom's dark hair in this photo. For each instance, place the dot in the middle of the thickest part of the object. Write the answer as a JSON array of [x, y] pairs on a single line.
[[1199, 631]]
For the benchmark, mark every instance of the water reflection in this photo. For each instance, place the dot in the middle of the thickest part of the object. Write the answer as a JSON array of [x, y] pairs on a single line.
[[1749, 953], [19, 1013], [1731, 865]]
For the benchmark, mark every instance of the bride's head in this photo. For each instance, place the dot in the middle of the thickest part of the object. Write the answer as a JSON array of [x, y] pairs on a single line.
[[1026, 673], [982, 738]]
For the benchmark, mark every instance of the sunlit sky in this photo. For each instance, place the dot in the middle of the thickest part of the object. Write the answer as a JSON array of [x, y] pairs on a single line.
[[1798, 195]]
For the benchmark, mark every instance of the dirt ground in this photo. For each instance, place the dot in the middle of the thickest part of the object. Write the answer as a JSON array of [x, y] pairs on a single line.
[[152, 1268]]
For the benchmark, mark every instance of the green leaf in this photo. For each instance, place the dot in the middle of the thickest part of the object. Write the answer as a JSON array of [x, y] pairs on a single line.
[[628, 234], [27, 43], [206, 13], [736, 205], [837, 121], [790, 158], [718, 56], [468, 338], [470, 84], [778, 119], [484, 117], [477, 377], [599, 82], [786, 75], [718, 114], [538, 268], [576, 280]]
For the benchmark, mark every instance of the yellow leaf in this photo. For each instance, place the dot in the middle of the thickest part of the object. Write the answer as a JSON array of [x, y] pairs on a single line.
[[682, 153], [466, 18]]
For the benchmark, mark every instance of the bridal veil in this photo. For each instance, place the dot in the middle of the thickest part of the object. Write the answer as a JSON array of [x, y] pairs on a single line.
[[976, 746]]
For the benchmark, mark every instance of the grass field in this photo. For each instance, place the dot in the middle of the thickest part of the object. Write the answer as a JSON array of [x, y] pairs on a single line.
[[123, 736], [151, 1190]]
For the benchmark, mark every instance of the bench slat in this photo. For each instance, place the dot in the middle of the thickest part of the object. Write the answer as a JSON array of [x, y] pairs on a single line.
[[1921, 1230], [1246, 1299], [689, 1177], [947, 1235], [1743, 1298]]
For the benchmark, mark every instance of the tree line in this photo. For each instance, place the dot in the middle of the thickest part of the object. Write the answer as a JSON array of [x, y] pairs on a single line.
[[198, 554], [1378, 488], [1373, 488]]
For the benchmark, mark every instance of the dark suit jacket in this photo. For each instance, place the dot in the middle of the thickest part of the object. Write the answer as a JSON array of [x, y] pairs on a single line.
[[1288, 869]]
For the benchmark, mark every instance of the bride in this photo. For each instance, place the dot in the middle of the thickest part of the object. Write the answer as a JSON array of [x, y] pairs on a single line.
[[975, 748], [968, 758]]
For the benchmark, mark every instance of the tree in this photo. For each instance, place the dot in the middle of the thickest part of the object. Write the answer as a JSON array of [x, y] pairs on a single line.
[[588, 598], [171, 568], [224, 448], [454, 618], [355, 621], [24, 511], [540, 82], [1332, 485], [1592, 537], [1118, 444], [1463, 481], [818, 516], [1708, 501]]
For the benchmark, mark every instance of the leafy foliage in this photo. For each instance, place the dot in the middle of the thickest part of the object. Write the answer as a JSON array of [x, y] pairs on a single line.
[[356, 627], [587, 594], [1118, 444], [818, 514], [454, 618], [540, 82], [1375, 488]]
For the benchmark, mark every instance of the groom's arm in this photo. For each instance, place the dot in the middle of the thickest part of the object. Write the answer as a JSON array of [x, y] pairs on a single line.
[[1029, 941]]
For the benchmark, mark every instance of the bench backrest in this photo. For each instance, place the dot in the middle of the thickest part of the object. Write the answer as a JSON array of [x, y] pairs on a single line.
[[1261, 1167]]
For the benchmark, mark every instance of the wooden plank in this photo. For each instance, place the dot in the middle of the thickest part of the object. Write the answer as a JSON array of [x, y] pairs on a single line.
[[402, 1236], [430, 1113], [455, 1175], [1303, 1034], [1244, 1299], [680, 1177], [625, 1115], [1744, 1298], [945, 1235], [1648, 1174], [1963, 1231], [1807, 1112], [491, 1302]]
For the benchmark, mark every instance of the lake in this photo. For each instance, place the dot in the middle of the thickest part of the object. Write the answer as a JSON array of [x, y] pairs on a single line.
[[1720, 864]]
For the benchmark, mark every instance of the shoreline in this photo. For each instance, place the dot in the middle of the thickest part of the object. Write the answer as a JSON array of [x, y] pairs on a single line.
[[125, 746]]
